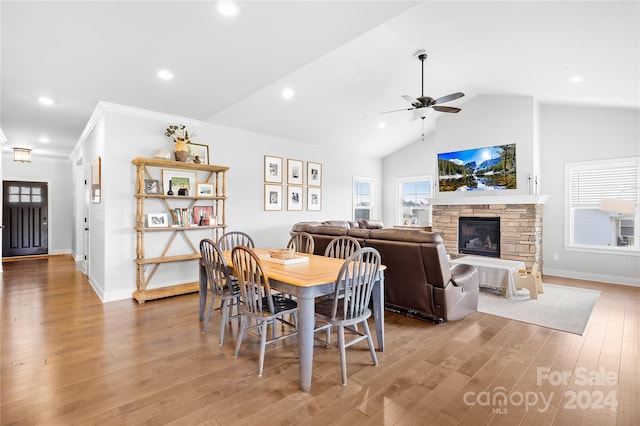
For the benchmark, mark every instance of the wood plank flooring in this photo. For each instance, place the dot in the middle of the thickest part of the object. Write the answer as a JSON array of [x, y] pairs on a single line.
[[69, 359]]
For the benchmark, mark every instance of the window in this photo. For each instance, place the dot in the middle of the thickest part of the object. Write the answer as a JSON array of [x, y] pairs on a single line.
[[413, 201], [588, 183], [363, 198]]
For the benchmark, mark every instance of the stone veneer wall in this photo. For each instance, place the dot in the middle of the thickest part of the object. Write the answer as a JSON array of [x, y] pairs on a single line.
[[520, 228]]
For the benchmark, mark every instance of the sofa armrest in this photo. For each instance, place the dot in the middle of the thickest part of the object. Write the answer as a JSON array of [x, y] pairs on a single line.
[[465, 276]]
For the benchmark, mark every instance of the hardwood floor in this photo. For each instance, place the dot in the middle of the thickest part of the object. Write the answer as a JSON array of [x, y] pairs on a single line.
[[69, 359]]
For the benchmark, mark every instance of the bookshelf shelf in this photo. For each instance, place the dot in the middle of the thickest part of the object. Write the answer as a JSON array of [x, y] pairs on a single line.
[[146, 267]]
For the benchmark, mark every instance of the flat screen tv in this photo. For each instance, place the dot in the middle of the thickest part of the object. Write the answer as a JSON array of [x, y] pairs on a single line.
[[480, 169]]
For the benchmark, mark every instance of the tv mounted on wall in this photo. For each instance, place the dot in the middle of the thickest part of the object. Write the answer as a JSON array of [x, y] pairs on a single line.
[[479, 169]]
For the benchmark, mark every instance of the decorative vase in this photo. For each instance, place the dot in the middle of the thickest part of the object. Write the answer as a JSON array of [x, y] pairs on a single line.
[[170, 191], [181, 155]]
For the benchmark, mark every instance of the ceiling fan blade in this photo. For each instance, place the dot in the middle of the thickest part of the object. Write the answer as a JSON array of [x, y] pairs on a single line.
[[396, 110], [448, 98], [413, 101], [446, 108]]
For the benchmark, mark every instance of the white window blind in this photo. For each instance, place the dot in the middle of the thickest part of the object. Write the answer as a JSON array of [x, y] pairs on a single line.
[[613, 179]]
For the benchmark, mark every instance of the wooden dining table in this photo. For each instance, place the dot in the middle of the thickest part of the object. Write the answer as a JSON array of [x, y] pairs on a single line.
[[306, 281]]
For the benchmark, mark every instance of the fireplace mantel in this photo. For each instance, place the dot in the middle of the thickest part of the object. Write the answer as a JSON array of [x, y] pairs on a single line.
[[491, 199]]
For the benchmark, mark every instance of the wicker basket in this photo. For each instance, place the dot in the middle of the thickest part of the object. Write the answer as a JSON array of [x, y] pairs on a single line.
[[282, 254]]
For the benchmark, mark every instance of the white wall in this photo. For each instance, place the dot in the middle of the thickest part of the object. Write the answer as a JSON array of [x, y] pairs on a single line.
[[571, 134], [130, 133], [57, 173]]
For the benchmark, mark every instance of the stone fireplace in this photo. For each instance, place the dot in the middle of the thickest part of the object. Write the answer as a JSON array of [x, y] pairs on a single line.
[[520, 223]]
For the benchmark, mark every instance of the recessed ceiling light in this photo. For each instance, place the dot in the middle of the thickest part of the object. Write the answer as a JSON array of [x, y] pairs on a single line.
[[227, 8], [44, 100], [576, 79], [44, 139], [165, 75], [288, 93], [382, 125]]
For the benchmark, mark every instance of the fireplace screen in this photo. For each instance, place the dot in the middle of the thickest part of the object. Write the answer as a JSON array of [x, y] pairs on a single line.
[[479, 236]]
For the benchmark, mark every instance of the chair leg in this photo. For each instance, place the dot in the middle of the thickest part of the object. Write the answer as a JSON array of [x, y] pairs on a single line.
[[343, 354], [263, 345], [206, 321], [372, 349], [223, 324], [243, 324]]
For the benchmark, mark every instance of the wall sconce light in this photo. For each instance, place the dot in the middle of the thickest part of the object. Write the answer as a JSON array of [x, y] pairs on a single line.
[[22, 155]]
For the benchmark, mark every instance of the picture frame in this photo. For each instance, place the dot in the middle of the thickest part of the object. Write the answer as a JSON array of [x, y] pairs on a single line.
[[272, 197], [204, 189], [199, 150], [157, 220], [151, 186], [96, 185], [294, 198], [179, 180], [272, 169], [314, 199], [295, 171], [207, 214], [314, 174]]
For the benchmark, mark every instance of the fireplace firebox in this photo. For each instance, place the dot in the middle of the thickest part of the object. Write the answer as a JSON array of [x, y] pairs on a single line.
[[479, 236]]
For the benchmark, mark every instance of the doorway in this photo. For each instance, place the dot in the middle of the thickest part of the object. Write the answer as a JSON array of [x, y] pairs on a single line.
[[25, 217]]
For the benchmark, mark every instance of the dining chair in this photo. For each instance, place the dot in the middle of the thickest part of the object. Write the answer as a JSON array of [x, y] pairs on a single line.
[[302, 242], [349, 305], [235, 238], [342, 247], [224, 288], [259, 304]]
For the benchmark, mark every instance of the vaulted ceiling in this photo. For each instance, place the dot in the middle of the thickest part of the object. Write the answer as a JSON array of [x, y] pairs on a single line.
[[345, 61]]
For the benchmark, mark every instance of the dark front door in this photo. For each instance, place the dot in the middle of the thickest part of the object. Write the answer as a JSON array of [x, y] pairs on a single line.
[[25, 219]]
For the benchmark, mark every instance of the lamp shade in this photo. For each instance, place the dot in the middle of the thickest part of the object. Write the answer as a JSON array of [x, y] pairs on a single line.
[[22, 155], [617, 205]]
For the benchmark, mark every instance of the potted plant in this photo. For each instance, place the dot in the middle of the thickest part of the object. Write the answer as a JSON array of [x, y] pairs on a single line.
[[181, 138]]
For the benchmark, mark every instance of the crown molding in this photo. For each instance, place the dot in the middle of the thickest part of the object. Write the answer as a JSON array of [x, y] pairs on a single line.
[[104, 107]]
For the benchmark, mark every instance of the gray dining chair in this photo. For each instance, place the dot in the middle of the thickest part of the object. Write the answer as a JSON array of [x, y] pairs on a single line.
[[349, 305], [260, 305], [301, 242], [235, 238], [224, 288], [342, 247]]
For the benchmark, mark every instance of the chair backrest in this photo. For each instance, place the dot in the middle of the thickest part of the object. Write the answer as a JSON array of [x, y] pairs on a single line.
[[235, 238], [342, 247], [354, 284], [254, 284], [302, 242], [215, 266]]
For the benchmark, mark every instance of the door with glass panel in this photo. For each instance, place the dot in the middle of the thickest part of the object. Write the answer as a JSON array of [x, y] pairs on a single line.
[[25, 219]]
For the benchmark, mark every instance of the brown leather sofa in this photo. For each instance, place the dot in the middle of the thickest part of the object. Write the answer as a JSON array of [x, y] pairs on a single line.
[[418, 279]]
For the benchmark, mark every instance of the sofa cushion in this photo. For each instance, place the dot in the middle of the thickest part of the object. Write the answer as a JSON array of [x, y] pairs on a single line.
[[341, 223], [370, 224], [409, 235]]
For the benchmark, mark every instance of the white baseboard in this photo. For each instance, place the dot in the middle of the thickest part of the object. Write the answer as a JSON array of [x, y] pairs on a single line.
[[611, 279], [113, 296]]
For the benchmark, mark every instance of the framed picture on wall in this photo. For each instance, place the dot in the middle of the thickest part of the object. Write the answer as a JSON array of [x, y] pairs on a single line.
[[294, 197], [314, 199], [272, 169], [272, 197], [314, 174], [294, 172]]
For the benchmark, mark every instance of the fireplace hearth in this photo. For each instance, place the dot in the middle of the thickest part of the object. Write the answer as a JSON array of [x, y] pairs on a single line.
[[479, 236]]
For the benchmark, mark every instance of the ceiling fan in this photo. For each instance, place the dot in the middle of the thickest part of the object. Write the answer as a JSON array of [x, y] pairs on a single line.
[[420, 105]]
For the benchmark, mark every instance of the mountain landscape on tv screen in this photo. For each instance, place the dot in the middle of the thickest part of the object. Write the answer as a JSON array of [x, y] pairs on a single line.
[[481, 169]]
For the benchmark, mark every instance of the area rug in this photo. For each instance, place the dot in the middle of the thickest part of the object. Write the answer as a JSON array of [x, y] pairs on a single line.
[[560, 307]]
